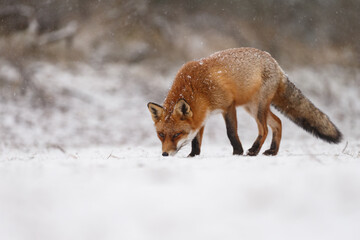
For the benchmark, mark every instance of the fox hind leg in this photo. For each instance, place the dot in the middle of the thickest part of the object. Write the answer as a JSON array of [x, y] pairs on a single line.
[[260, 114], [231, 129], [275, 123]]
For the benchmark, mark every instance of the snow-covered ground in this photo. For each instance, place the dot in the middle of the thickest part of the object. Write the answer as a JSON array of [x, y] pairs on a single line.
[[311, 190], [87, 164]]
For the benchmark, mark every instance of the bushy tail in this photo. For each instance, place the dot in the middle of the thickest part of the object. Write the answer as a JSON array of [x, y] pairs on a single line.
[[292, 103]]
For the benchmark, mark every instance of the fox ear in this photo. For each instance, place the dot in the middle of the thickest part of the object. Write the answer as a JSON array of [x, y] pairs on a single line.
[[155, 110], [182, 108]]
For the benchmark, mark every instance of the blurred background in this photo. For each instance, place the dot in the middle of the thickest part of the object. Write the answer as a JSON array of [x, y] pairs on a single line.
[[80, 72]]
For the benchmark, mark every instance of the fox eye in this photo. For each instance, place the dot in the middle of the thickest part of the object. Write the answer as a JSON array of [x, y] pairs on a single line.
[[177, 134], [161, 135]]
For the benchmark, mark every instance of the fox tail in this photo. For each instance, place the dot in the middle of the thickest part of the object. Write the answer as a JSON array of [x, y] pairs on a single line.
[[293, 104]]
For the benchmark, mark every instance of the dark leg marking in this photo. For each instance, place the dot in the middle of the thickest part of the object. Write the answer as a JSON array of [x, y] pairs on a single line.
[[273, 149], [195, 148], [231, 131], [254, 150]]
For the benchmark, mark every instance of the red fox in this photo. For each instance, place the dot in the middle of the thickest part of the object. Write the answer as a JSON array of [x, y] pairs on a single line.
[[245, 77]]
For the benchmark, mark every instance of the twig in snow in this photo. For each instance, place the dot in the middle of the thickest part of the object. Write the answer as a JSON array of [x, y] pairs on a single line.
[[75, 156], [113, 156], [57, 147], [343, 151]]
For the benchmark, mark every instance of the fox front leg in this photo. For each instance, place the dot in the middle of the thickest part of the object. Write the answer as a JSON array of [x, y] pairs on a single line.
[[196, 143], [231, 129]]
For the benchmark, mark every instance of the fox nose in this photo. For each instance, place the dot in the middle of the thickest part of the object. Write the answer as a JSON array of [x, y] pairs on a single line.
[[165, 154]]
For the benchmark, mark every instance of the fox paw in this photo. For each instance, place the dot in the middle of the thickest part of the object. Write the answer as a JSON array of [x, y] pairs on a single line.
[[238, 152], [270, 152], [193, 154], [252, 152]]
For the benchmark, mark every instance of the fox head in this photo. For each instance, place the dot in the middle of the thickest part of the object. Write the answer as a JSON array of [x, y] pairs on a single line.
[[174, 128]]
